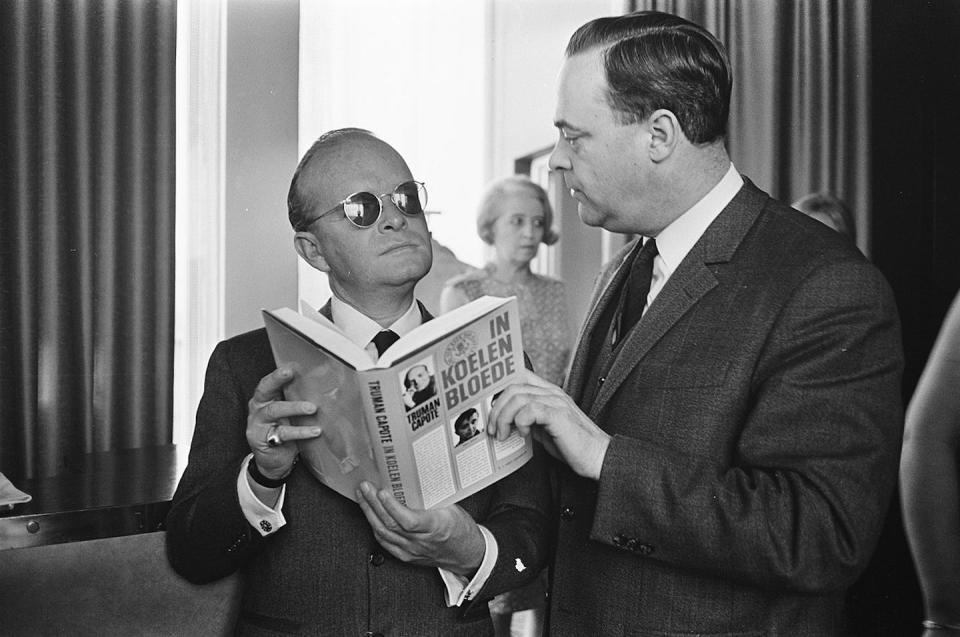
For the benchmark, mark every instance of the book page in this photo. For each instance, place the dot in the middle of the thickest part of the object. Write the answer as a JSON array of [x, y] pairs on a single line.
[[433, 467], [320, 331], [317, 328], [439, 327]]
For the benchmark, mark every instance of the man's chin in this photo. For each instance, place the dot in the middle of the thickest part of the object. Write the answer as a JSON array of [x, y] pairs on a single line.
[[408, 273], [589, 215]]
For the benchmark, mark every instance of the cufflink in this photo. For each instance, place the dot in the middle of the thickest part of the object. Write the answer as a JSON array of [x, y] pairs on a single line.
[[519, 565]]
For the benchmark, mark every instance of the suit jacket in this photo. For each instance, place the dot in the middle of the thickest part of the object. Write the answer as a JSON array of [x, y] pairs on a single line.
[[323, 573], [756, 421]]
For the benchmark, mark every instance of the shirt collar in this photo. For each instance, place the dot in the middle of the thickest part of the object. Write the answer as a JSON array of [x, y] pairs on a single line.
[[361, 329], [677, 239]]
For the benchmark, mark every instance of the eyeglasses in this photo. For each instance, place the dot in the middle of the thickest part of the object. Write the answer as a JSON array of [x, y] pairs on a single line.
[[363, 208]]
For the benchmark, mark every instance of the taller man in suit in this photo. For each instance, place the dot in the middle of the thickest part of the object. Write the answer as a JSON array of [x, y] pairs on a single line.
[[730, 433], [316, 562]]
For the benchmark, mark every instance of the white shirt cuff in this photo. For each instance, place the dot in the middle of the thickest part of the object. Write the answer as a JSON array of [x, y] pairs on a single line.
[[261, 517], [458, 589]]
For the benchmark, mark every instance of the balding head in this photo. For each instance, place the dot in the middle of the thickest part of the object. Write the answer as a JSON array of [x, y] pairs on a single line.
[[336, 148]]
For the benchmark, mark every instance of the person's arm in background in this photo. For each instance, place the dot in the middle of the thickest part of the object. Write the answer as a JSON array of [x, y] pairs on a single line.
[[930, 476], [451, 297]]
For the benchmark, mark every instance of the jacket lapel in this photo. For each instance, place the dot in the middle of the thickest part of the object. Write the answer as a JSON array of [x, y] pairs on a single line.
[[692, 279]]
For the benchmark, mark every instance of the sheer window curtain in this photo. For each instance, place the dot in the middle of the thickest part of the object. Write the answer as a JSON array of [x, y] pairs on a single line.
[[87, 143], [799, 117]]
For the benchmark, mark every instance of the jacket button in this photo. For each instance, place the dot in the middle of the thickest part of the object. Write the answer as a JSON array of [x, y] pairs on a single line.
[[631, 544], [376, 558], [601, 380], [567, 514], [619, 540], [644, 549]]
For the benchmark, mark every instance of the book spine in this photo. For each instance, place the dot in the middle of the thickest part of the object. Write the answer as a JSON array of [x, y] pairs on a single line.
[[383, 432]]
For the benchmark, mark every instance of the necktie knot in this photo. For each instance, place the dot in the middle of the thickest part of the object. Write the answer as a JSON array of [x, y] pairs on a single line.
[[383, 340]]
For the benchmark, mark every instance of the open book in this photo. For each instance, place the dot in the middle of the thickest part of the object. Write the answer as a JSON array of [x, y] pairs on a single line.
[[414, 421]]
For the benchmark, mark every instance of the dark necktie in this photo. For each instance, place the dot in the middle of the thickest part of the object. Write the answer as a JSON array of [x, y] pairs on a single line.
[[636, 288], [383, 340]]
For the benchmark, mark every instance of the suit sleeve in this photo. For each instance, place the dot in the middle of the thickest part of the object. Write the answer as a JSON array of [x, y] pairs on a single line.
[[796, 494], [519, 519], [208, 536]]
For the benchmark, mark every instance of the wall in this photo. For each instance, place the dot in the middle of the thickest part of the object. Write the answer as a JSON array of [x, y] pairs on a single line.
[[261, 154], [526, 53], [425, 95]]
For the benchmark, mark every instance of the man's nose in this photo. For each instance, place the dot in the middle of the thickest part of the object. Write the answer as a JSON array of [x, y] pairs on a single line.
[[391, 217], [558, 158]]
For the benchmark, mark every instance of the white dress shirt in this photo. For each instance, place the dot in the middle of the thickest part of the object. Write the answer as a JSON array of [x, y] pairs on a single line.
[[676, 240]]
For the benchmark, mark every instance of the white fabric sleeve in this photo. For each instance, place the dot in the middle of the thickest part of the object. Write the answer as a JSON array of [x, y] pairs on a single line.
[[458, 589], [261, 517]]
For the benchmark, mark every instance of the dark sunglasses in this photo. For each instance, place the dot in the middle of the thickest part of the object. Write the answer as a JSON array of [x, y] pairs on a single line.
[[364, 208]]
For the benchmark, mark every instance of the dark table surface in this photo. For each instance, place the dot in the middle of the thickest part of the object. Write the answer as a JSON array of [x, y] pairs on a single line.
[[98, 495]]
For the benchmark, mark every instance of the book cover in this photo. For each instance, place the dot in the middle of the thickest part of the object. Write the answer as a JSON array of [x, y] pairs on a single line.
[[412, 422]]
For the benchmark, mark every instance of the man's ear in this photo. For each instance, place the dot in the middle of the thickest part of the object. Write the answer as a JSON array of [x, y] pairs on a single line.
[[665, 134], [308, 247]]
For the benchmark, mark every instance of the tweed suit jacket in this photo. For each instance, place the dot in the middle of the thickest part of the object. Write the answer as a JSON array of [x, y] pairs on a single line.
[[756, 420], [323, 573]]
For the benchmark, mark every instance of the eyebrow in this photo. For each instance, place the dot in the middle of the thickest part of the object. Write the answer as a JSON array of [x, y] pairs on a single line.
[[566, 127]]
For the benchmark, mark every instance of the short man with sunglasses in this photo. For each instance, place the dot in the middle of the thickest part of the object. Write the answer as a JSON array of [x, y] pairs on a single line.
[[314, 561]]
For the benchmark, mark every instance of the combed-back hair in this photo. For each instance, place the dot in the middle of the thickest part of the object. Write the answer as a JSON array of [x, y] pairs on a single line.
[[298, 206], [658, 60]]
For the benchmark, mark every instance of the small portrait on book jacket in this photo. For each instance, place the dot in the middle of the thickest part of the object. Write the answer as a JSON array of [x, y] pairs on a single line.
[[467, 425], [419, 383]]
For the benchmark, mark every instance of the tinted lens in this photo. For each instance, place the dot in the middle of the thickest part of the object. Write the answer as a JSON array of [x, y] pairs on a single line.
[[362, 209], [410, 197]]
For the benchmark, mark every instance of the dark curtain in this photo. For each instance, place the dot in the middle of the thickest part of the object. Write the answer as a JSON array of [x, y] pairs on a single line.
[[87, 151], [799, 116]]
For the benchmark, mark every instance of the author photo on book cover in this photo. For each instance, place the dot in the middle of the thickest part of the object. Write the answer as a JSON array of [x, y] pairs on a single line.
[[467, 425], [419, 384]]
